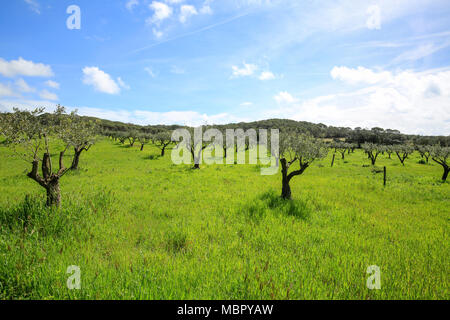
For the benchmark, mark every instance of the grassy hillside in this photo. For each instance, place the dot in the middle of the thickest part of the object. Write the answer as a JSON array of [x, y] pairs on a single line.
[[140, 227]]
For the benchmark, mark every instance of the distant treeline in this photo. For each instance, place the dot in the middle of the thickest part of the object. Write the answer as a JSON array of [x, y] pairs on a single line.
[[358, 136]]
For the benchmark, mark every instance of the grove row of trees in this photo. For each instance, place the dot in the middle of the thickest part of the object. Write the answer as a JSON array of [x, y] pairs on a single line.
[[35, 136], [438, 154]]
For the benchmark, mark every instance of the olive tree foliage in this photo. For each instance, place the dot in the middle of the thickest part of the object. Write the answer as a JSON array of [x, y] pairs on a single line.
[[143, 139], [425, 152], [297, 148], [389, 150], [34, 136], [162, 139], [441, 156], [403, 151], [81, 136], [132, 136], [372, 150], [121, 136], [342, 148]]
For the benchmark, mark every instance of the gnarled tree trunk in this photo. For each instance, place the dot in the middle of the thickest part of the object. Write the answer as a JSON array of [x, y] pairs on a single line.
[[49, 180], [445, 175], [53, 193], [286, 188], [76, 159]]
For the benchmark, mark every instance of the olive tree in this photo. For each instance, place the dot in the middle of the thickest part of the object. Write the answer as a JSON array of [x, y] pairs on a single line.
[[34, 135], [143, 139], [372, 150], [425, 151], [301, 149], [162, 139], [342, 148], [132, 136], [403, 151], [441, 156], [122, 136], [389, 150], [81, 136]]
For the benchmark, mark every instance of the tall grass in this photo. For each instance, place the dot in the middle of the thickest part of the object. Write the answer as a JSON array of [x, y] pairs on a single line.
[[140, 227]]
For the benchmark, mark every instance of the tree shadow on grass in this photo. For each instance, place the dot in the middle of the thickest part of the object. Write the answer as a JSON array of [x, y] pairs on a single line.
[[126, 146], [152, 157], [271, 202]]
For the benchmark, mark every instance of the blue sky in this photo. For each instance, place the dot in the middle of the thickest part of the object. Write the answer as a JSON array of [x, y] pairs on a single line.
[[343, 63]]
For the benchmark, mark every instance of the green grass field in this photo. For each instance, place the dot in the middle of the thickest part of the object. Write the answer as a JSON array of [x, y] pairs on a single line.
[[140, 227]]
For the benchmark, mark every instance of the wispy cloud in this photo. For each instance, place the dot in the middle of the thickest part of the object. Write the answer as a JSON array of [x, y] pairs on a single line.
[[246, 70], [34, 6], [44, 94], [131, 4], [150, 72]]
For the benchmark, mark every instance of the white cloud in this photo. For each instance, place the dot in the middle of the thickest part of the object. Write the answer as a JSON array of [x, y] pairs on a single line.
[[187, 11], [206, 8], [131, 4], [142, 117], [412, 102], [285, 97], [246, 104], [161, 12], [52, 84], [6, 91], [34, 6], [23, 86], [266, 75], [150, 72], [22, 67], [122, 84], [44, 94], [100, 80], [359, 75], [157, 33], [374, 20], [247, 70]]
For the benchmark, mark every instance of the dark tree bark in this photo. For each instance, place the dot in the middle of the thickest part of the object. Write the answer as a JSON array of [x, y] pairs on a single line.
[[53, 193], [163, 145], [286, 188], [445, 175], [286, 177], [142, 146], [373, 157], [444, 165], [49, 180], [76, 160], [402, 158], [76, 156]]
